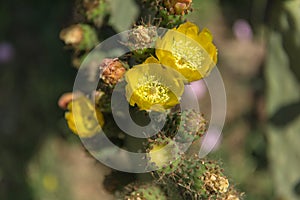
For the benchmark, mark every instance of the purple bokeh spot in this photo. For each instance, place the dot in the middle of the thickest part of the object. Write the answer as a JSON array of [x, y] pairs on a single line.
[[199, 88], [6, 52], [242, 30], [211, 140]]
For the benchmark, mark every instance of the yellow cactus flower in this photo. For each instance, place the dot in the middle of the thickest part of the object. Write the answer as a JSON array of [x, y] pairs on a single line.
[[187, 50], [153, 87], [82, 118], [164, 154], [161, 155]]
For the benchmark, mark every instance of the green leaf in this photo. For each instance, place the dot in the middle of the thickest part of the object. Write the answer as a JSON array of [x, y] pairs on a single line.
[[283, 98]]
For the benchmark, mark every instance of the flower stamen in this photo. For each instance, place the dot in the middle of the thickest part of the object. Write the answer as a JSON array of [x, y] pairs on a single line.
[[187, 55], [152, 90]]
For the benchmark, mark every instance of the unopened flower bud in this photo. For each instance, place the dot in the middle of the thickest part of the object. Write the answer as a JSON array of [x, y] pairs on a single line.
[[112, 70], [79, 36], [216, 182], [142, 37], [178, 7], [66, 98], [72, 35]]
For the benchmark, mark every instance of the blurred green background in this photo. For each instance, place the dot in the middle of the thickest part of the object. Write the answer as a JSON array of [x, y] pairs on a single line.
[[259, 48]]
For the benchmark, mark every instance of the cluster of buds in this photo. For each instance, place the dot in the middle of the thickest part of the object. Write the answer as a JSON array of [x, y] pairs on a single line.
[[173, 7], [189, 124], [169, 13], [149, 191], [96, 10], [178, 7], [215, 182], [82, 37]]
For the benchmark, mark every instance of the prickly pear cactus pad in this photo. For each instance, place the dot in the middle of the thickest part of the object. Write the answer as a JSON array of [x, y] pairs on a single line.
[[145, 191], [131, 112], [282, 74], [197, 178]]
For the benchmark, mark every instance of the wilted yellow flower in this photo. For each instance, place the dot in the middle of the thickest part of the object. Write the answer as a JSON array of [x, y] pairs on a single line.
[[83, 119], [153, 87], [187, 50]]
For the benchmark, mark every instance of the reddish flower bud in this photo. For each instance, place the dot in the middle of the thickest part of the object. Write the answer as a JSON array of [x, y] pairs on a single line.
[[112, 70], [178, 7]]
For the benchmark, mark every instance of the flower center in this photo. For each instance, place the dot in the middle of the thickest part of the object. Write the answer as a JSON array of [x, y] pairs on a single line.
[[151, 90], [187, 54]]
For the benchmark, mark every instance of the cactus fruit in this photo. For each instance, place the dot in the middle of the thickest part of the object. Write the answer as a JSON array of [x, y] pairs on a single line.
[[102, 101], [198, 179], [111, 71], [141, 41], [170, 13], [164, 154], [185, 126], [142, 37], [149, 191], [192, 179], [177, 7]]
